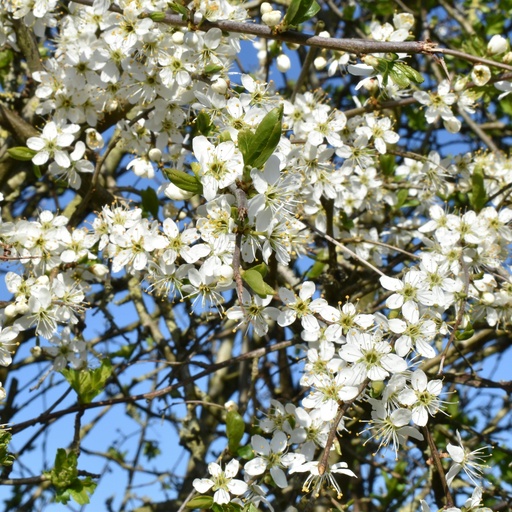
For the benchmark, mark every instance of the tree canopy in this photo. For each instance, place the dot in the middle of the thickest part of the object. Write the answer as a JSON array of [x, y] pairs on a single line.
[[255, 256]]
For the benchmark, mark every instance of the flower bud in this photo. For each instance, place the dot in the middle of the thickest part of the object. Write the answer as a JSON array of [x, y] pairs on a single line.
[[271, 19], [220, 86], [283, 63], [488, 298], [155, 154], [176, 193], [99, 270], [36, 351], [10, 310], [230, 405], [498, 44], [320, 63], [460, 83], [178, 37], [403, 20], [265, 7], [370, 60]]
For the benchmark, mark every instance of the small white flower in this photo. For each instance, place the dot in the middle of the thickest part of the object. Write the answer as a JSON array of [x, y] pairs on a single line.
[[7, 344], [222, 482], [272, 455], [498, 44], [51, 142], [470, 462], [315, 481], [481, 74], [423, 397]]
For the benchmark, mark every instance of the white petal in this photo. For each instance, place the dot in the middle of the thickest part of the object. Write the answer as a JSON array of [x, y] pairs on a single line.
[[202, 485], [256, 466], [221, 496], [279, 477]]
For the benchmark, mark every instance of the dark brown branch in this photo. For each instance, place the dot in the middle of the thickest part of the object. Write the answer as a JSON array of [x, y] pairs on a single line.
[[357, 46], [253, 354], [477, 382]]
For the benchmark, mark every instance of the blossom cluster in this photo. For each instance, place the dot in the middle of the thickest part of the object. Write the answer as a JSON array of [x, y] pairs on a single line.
[[237, 216]]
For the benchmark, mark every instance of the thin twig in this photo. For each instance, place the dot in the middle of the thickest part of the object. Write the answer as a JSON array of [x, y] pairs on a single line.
[[323, 464], [346, 250], [439, 467], [253, 354], [477, 130]]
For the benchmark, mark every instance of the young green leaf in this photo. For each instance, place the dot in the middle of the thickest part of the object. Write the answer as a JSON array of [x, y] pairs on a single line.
[[180, 9], [203, 123], [6, 458], [262, 268], [256, 148], [184, 181], [150, 202], [254, 279], [478, 196], [300, 11], [88, 383], [235, 427], [200, 502], [21, 153], [65, 481]]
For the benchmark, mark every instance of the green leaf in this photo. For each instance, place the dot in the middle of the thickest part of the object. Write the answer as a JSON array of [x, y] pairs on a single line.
[[256, 148], [244, 142], [465, 334], [88, 383], [401, 197], [261, 268], [157, 16], [150, 201], [21, 153], [387, 164], [212, 68], [180, 9], [317, 268], [254, 279], [292, 12], [6, 458], [6, 57], [65, 481], [403, 75], [184, 181], [81, 489], [204, 123], [125, 351], [478, 196], [300, 11], [151, 449], [251, 508], [200, 502], [245, 452], [235, 427]]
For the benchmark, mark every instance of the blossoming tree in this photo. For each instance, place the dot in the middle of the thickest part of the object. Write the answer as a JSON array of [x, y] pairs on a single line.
[[264, 245]]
